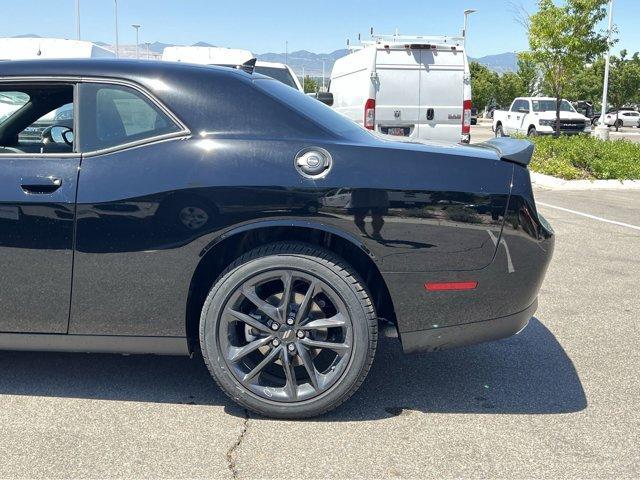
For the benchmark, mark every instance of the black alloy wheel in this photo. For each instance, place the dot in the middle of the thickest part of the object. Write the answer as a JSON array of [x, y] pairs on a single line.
[[288, 330]]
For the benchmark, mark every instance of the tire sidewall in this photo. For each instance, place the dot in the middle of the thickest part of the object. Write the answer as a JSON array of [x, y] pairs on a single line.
[[211, 317]]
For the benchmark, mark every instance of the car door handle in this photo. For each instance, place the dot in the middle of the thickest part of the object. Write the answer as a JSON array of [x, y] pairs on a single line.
[[41, 185]]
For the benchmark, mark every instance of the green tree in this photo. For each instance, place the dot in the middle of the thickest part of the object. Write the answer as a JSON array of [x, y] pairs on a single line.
[[310, 85], [624, 81], [484, 84], [562, 39], [587, 82], [528, 73], [510, 87]]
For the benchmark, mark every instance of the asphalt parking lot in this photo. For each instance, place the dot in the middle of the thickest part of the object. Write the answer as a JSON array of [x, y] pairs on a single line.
[[482, 132], [560, 400]]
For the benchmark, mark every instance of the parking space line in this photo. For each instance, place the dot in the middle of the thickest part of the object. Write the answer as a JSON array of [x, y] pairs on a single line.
[[593, 217]]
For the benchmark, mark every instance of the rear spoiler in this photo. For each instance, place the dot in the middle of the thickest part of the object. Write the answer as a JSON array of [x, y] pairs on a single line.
[[511, 149]]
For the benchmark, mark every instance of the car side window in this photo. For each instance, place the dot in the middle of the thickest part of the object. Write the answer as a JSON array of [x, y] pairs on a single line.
[[62, 116], [37, 118], [113, 115]]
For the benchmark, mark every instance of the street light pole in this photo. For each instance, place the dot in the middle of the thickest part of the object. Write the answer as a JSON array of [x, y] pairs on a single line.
[[78, 19], [117, 41], [602, 131], [137, 27], [466, 23]]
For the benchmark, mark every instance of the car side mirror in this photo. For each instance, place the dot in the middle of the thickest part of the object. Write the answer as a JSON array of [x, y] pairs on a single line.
[[58, 134], [523, 110], [324, 97], [68, 137]]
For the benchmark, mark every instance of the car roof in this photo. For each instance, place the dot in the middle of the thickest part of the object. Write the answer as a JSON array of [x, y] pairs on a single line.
[[110, 68]]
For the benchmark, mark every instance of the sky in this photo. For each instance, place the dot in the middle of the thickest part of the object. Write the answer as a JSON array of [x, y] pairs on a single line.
[[265, 26]]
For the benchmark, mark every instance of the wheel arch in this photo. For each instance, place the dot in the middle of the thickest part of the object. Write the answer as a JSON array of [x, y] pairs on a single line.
[[224, 249]]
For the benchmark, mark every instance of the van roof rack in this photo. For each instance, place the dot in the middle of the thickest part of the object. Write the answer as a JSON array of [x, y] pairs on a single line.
[[415, 41]]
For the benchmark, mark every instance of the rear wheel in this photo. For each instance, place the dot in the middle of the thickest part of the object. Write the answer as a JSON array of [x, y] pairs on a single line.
[[288, 331], [619, 124]]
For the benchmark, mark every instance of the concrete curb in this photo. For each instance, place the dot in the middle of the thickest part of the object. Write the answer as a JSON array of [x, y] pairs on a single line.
[[553, 183]]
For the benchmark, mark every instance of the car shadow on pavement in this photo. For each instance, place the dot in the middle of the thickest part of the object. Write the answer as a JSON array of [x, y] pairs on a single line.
[[529, 373], [526, 374]]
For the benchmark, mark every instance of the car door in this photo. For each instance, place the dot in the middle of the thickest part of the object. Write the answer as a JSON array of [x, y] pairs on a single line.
[[126, 267], [518, 115], [630, 119], [38, 181], [510, 122]]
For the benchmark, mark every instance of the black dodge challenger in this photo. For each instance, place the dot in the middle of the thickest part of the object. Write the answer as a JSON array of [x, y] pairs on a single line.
[[175, 209]]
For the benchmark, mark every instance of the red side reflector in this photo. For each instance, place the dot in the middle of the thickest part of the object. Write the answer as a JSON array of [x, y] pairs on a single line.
[[440, 286]]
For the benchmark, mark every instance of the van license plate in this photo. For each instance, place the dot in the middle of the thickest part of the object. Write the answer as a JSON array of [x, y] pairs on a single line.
[[396, 131]]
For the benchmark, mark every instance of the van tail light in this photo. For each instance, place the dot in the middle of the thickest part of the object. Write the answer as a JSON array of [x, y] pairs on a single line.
[[370, 114], [466, 121]]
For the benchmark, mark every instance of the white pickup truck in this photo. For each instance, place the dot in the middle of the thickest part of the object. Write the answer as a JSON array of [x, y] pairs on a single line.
[[537, 116]]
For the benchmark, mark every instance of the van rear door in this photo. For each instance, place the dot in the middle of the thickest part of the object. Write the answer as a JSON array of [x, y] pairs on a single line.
[[441, 93], [397, 84]]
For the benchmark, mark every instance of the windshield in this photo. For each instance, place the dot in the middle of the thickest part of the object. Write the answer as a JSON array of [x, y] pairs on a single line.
[[310, 108], [280, 74], [550, 106]]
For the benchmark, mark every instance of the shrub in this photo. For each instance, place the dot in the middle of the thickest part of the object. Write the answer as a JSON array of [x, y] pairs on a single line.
[[584, 157]]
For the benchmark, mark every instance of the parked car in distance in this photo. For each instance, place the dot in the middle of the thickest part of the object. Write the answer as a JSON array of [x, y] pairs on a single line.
[[537, 116], [224, 213], [622, 118], [490, 110], [416, 87], [583, 107], [474, 116], [231, 57]]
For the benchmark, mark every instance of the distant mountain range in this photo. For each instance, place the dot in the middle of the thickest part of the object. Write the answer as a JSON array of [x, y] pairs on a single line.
[[303, 60], [501, 63]]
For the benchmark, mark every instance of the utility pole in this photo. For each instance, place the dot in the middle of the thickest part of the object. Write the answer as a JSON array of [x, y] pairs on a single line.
[[303, 79], [137, 28], [602, 131], [78, 19], [117, 41], [466, 23]]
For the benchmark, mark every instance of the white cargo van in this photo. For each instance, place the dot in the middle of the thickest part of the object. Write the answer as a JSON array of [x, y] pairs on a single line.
[[416, 87], [231, 57], [41, 48]]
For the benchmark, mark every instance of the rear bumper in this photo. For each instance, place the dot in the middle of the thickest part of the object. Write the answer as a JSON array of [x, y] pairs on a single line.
[[506, 290], [436, 339]]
